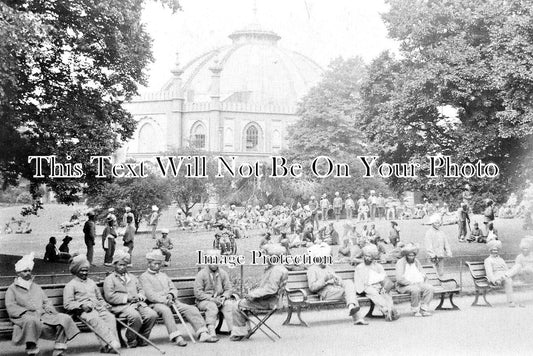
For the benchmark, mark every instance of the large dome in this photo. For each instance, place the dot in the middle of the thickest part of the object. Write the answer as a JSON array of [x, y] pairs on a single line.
[[254, 70]]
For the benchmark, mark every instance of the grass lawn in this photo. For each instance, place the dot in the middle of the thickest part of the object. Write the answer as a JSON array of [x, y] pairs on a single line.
[[186, 243]]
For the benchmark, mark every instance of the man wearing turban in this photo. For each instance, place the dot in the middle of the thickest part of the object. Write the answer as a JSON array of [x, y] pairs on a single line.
[[371, 279], [498, 272], [322, 279], [33, 315], [125, 294], [164, 243], [161, 294], [437, 245], [82, 297], [411, 279], [266, 296], [523, 267], [213, 289]]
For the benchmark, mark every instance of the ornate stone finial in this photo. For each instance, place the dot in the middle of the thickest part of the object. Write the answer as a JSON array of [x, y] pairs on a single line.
[[177, 71]]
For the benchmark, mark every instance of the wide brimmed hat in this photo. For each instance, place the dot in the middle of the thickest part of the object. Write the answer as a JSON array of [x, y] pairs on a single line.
[[67, 238]]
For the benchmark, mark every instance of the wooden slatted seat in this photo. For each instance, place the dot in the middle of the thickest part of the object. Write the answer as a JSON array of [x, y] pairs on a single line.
[[483, 286], [184, 285], [300, 297]]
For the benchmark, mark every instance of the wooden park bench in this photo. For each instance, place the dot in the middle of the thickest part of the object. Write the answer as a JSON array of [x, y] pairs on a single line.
[[184, 285], [482, 285], [300, 297]]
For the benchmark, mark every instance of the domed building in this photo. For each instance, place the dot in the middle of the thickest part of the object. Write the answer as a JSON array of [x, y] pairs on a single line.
[[235, 100]]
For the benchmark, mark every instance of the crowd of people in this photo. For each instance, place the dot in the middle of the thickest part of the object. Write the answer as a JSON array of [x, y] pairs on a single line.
[[140, 300]]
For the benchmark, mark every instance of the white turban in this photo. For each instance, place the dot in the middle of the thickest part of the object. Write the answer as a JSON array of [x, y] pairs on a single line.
[[322, 250], [494, 244], [526, 242], [127, 208], [371, 250], [155, 255], [155, 208], [111, 210], [274, 249], [409, 248], [121, 255], [26, 262], [434, 219], [165, 231]]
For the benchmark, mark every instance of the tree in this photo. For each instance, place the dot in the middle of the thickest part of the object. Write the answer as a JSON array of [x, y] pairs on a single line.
[[137, 193], [328, 114], [473, 56], [67, 66], [187, 192], [328, 126]]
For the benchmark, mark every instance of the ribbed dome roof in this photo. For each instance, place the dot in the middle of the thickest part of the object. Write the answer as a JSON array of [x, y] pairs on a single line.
[[254, 71]]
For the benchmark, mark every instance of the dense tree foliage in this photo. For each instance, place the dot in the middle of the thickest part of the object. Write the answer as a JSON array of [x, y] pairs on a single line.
[[471, 55], [65, 69]]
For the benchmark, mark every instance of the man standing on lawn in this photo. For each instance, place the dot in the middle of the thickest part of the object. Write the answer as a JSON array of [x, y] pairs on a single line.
[[437, 245], [89, 231]]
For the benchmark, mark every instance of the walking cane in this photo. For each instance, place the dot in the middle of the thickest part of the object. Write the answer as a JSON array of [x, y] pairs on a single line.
[[140, 336], [89, 326], [183, 322]]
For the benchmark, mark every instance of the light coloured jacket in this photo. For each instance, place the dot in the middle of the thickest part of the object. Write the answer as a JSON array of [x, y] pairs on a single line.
[[157, 286], [436, 243], [400, 271], [117, 291], [207, 284], [360, 279]]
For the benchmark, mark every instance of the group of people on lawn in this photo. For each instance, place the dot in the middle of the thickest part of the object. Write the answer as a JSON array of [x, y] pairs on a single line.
[[140, 301]]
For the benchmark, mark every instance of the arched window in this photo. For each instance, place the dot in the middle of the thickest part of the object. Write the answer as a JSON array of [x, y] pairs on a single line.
[[251, 138], [146, 138], [198, 135], [276, 140]]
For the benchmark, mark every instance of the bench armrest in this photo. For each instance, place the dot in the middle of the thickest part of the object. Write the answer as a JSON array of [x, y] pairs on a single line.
[[303, 292], [449, 280]]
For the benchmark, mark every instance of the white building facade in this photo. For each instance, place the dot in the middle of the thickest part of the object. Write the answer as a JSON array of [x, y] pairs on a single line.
[[236, 100]]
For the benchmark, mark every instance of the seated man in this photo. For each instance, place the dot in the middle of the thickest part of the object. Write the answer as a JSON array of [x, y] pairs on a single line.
[[323, 280], [124, 292], [523, 267], [33, 315], [165, 245], [308, 238], [52, 254], [370, 279], [82, 297], [331, 236], [212, 289], [410, 278], [476, 234], [498, 272], [265, 296], [161, 294]]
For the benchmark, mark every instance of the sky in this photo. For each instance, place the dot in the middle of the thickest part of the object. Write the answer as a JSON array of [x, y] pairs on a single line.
[[320, 29]]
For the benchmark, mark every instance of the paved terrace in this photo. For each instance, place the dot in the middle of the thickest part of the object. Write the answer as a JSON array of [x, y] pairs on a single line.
[[470, 331]]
